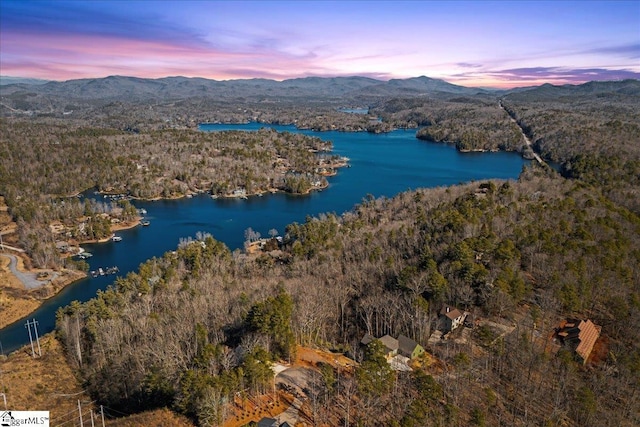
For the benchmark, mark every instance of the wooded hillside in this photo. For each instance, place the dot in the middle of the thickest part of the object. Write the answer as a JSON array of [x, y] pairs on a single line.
[[201, 324], [42, 163]]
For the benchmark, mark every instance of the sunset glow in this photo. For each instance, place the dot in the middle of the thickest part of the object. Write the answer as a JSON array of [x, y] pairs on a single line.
[[488, 44]]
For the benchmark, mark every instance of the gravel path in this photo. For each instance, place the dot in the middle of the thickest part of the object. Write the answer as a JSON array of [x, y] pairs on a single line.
[[28, 279]]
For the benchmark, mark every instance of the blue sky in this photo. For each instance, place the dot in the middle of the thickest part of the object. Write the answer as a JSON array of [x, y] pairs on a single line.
[[479, 43]]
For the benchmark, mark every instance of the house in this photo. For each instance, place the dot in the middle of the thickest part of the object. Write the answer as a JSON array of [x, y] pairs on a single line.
[[579, 335], [390, 344], [239, 192], [62, 247], [450, 318], [367, 339], [398, 352], [409, 348]]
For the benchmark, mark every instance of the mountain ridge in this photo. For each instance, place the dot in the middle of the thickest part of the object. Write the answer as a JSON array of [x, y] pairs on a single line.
[[179, 86]]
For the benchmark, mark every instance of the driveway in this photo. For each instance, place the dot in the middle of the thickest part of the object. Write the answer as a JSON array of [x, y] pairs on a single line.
[[28, 279]]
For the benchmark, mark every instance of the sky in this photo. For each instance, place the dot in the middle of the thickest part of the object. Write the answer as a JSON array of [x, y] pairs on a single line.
[[500, 44]]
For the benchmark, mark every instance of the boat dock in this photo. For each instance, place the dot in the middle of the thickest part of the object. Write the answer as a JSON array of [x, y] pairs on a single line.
[[104, 271]]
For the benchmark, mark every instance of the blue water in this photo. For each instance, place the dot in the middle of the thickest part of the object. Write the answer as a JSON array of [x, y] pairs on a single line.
[[381, 165]]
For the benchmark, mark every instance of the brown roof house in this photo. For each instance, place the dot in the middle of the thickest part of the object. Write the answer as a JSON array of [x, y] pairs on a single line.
[[579, 335], [450, 318]]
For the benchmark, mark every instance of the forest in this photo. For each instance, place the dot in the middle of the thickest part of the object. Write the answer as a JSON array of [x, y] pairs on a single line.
[[42, 164], [529, 252], [202, 326]]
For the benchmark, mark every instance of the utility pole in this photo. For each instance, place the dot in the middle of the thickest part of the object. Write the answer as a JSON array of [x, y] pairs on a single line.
[[35, 328], [4, 397], [80, 411], [28, 326]]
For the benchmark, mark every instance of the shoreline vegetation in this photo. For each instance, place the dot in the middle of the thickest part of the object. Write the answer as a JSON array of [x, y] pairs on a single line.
[[17, 301], [200, 325]]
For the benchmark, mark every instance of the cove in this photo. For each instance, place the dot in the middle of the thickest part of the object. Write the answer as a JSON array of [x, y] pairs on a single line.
[[380, 165]]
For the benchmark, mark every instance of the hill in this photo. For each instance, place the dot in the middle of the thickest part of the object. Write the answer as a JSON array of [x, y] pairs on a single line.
[[592, 130], [139, 89], [200, 324], [9, 80]]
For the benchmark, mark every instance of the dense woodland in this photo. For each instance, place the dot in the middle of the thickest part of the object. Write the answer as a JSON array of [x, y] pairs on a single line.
[[471, 123], [529, 252], [41, 163], [591, 131], [194, 328], [594, 136]]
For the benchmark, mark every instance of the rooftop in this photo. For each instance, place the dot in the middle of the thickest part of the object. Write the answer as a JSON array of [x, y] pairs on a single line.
[[450, 312]]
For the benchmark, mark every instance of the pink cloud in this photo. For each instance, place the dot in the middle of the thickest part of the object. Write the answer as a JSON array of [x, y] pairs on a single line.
[[64, 56]]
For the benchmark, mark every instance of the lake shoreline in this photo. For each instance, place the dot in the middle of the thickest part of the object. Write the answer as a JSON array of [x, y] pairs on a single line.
[[378, 166], [23, 302]]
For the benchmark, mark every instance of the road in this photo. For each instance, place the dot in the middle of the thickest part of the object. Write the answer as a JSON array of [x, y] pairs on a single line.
[[526, 139], [11, 248], [28, 279]]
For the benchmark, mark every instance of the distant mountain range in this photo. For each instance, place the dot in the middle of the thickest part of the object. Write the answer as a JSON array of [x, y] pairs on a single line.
[[9, 80], [27, 94], [547, 92], [117, 87]]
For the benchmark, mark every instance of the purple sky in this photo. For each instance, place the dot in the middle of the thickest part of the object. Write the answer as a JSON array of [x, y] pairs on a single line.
[[479, 43]]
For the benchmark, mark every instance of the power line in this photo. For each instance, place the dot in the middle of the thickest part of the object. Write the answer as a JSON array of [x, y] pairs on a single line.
[[64, 415], [70, 412], [73, 419], [67, 395], [118, 412]]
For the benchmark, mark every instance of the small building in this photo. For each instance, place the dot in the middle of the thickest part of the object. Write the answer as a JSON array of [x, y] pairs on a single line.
[[579, 335], [390, 344], [239, 192], [62, 247], [409, 348], [450, 318], [367, 339]]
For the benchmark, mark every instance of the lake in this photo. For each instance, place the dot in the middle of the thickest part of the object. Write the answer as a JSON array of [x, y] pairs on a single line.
[[381, 165]]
